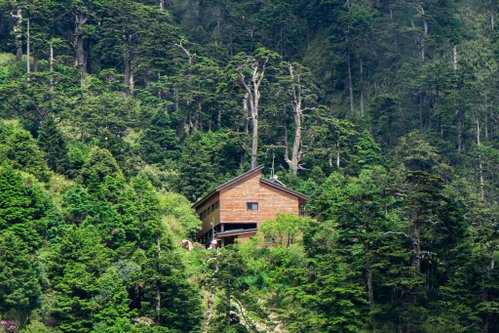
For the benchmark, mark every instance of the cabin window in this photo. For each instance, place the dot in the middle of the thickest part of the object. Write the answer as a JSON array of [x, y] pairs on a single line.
[[252, 205], [217, 205]]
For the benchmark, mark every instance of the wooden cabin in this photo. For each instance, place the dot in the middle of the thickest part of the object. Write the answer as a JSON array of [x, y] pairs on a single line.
[[235, 210]]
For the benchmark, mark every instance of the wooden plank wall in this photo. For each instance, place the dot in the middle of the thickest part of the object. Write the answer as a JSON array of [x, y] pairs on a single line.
[[212, 217], [233, 199]]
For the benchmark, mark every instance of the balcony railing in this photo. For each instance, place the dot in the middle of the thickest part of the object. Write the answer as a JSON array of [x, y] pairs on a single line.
[[303, 212]]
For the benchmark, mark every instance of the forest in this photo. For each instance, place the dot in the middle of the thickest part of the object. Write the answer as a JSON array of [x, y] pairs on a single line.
[[116, 116]]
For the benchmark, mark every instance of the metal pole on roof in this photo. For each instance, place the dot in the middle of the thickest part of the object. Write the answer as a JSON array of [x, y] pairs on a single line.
[[272, 174]]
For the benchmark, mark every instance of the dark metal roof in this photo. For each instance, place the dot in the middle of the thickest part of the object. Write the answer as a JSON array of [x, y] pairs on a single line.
[[280, 186], [273, 183], [232, 181]]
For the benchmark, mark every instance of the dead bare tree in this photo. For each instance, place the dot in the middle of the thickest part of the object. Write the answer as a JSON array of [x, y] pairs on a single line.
[[300, 94], [251, 72]]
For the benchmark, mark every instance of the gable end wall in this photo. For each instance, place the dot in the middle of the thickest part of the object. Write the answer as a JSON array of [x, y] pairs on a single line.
[[270, 200]]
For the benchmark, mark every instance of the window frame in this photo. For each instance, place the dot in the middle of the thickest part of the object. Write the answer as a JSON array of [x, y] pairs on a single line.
[[251, 204]]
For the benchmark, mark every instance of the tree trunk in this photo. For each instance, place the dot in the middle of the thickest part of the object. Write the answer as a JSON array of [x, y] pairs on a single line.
[[51, 60], [492, 15], [162, 4], [180, 125], [297, 106], [423, 39], [127, 63], [361, 88], [80, 55], [338, 160], [227, 307], [480, 165], [218, 26], [209, 310], [28, 53], [252, 87], [370, 287], [35, 66], [454, 57], [254, 139], [245, 129], [158, 286], [416, 262], [17, 16], [350, 86]]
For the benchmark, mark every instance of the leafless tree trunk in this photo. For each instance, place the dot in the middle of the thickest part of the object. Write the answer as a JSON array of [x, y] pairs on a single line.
[[492, 15], [51, 62], [246, 129], [128, 69], [209, 309], [480, 165], [189, 55], [423, 39], [361, 88], [252, 86], [350, 85], [454, 57], [297, 106], [424, 36], [28, 53], [254, 138], [158, 287], [162, 4], [51, 59], [416, 261], [17, 16], [338, 158], [78, 44]]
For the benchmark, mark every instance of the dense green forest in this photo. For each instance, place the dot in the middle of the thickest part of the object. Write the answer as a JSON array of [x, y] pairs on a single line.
[[117, 115]]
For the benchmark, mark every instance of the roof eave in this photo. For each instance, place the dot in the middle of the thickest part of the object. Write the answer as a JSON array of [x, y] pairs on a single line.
[[285, 189]]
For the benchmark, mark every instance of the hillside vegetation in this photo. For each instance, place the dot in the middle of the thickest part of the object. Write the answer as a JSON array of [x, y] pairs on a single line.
[[117, 115]]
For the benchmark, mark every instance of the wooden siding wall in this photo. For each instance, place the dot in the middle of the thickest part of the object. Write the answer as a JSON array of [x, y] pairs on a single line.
[[214, 216], [233, 201]]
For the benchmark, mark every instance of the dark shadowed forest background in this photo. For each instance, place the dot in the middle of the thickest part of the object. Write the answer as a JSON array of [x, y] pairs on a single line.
[[117, 115]]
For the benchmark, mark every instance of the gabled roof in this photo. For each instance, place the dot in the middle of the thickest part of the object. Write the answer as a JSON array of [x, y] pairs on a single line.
[[230, 182], [280, 186], [272, 183]]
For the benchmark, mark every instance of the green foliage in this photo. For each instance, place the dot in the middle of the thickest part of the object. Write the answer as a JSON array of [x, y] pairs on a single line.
[[138, 100], [52, 142], [99, 164], [159, 141], [37, 327], [178, 213], [19, 149], [20, 289], [26, 208], [284, 230]]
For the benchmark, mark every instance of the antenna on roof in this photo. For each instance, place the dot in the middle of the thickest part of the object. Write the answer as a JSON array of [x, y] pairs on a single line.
[[272, 172]]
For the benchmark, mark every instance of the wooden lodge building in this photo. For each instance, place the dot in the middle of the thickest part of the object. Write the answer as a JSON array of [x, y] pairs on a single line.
[[234, 210]]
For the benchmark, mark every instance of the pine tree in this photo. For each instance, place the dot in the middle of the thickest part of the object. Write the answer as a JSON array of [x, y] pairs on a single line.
[[52, 142]]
